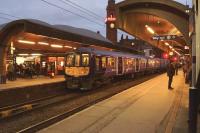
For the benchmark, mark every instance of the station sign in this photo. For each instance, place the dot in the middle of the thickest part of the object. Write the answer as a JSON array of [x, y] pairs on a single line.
[[165, 37]]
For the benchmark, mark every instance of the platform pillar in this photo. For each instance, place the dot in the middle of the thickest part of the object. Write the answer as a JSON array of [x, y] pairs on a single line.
[[193, 91], [193, 104], [3, 54]]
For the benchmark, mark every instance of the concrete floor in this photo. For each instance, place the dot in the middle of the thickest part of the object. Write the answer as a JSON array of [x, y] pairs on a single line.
[[140, 109]]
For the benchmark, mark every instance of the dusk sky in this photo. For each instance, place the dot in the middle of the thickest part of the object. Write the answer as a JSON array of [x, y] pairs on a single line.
[[37, 9]]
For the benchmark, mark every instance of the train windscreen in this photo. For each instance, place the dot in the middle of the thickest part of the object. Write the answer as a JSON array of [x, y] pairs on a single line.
[[77, 64], [77, 60]]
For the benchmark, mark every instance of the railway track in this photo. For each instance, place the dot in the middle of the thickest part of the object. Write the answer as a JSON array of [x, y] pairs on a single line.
[[63, 106], [12, 110]]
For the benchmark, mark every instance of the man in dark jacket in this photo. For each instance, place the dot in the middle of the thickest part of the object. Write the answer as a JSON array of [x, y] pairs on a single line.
[[170, 74]]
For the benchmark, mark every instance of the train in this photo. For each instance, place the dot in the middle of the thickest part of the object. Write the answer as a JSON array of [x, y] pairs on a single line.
[[87, 68]]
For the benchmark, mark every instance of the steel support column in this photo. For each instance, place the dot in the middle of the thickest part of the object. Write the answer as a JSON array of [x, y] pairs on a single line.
[[193, 92], [3, 54]]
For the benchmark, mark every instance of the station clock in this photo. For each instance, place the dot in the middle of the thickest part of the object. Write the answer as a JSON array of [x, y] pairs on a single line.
[[112, 25]]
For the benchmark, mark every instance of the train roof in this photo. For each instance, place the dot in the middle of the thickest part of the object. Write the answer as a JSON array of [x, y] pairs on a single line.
[[109, 53]]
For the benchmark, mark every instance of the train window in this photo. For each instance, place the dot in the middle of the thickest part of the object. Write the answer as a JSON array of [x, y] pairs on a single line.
[[103, 62], [111, 62], [97, 64], [126, 62], [85, 59], [77, 60], [133, 62], [70, 60], [130, 62]]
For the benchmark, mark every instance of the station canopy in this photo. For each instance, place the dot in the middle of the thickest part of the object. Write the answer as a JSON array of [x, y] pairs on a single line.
[[34, 36], [162, 23]]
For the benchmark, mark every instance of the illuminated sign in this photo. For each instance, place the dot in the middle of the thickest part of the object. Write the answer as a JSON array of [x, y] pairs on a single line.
[[175, 59], [165, 37], [110, 19], [165, 56]]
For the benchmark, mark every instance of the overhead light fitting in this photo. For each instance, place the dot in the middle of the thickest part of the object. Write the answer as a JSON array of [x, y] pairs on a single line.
[[171, 53], [68, 47], [36, 54], [150, 29], [56, 46], [166, 43], [43, 43], [26, 42]]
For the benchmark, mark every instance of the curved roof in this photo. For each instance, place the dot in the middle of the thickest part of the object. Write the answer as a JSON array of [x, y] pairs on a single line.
[[56, 31], [165, 17], [169, 5]]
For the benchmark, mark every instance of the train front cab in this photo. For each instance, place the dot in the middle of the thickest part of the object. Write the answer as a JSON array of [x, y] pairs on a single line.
[[78, 70]]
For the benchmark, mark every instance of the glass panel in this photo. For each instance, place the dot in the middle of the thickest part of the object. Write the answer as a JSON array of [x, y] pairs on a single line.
[[103, 62], [111, 62], [97, 63], [70, 60], [77, 60], [85, 59]]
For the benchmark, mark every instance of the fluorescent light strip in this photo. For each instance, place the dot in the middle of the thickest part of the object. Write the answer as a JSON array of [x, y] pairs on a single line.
[[43, 43], [150, 29], [56, 46], [36, 54], [23, 54], [166, 43], [68, 47], [26, 42]]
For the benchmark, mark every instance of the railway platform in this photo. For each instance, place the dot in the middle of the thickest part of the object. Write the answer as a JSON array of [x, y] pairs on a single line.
[[26, 90], [146, 108], [25, 82]]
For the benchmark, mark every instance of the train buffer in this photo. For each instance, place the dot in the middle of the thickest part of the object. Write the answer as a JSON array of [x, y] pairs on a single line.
[[146, 108]]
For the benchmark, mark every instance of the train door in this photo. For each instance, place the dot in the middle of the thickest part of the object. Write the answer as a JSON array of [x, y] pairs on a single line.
[[120, 66], [137, 65]]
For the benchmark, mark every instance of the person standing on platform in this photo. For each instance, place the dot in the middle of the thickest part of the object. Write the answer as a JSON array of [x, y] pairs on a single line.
[[10, 72], [176, 68], [37, 69], [170, 74], [184, 70]]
